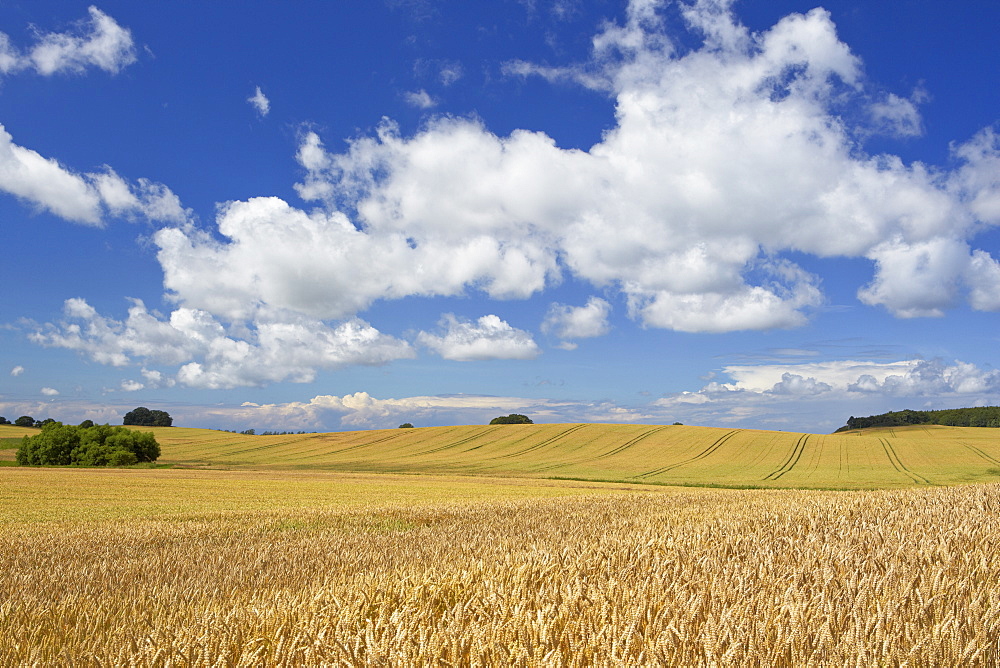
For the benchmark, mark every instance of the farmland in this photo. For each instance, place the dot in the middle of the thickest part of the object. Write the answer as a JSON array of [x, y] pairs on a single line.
[[666, 455], [470, 546], [241, 568]]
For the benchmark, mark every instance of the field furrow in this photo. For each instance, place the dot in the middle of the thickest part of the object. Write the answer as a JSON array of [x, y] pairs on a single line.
[[897, 463], [715, 445], [660, 454]]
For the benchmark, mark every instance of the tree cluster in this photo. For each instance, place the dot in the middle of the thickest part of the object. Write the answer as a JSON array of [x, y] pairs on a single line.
[[144, 417], [95, 445], [983, 416], [513, 418], [26, 421]]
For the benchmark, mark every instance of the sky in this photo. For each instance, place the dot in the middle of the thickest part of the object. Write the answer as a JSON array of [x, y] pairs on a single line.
[[328, 216]]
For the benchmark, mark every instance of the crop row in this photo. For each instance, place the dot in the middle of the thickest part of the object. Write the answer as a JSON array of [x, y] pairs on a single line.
[[639, 453]]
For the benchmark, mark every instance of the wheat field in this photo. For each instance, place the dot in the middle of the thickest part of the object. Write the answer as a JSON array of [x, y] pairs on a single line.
[[666, 455], [249, 568]]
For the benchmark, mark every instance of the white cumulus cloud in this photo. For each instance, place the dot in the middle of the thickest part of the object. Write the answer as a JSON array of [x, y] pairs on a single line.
[[211, 356], [97, 42], [17, 370], [485, 339], [578, 322], [723, 158], [81, 198]]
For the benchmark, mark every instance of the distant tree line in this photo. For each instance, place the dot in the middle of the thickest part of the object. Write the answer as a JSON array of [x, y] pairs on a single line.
[[253, 432], [141, 416], [984, 416], [87, 445], [26, 421]]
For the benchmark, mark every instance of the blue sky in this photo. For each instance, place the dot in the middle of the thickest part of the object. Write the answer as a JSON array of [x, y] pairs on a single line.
[[326, 216]]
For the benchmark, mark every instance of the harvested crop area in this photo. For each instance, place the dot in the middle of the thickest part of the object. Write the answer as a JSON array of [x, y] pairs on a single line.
[[524, 573]]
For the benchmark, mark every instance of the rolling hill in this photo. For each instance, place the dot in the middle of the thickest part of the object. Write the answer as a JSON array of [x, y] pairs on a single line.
[[671, 455]]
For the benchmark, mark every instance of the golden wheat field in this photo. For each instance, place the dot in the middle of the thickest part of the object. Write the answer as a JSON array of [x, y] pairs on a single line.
[[250, 568], [470, 546], [670, 455]]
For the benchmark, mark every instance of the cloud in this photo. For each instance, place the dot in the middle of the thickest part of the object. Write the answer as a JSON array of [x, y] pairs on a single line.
[[210, 356], [131, 386], [578, 322], [921, 278], [835, 374], [98, 42], [420, 99], [792, 383], [905, 378], [897, 116], [81, 198], [360, 410], [818, 397], [486, 339], [322, 266], [450, 71], [260, 102], [49, 392], [17, 371], [156, 378], [732, 153], [44, 182], [724, 159]]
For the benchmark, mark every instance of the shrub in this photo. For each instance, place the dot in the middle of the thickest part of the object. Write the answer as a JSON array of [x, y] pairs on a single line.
[[100, 445]]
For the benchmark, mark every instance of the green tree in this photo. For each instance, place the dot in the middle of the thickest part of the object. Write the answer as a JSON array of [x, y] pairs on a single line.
[[144, 417], [25, 421], [162, 419], [99, 445], [4, 420], [54, 446], [141, 416], [513, 418], [406, 425]]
